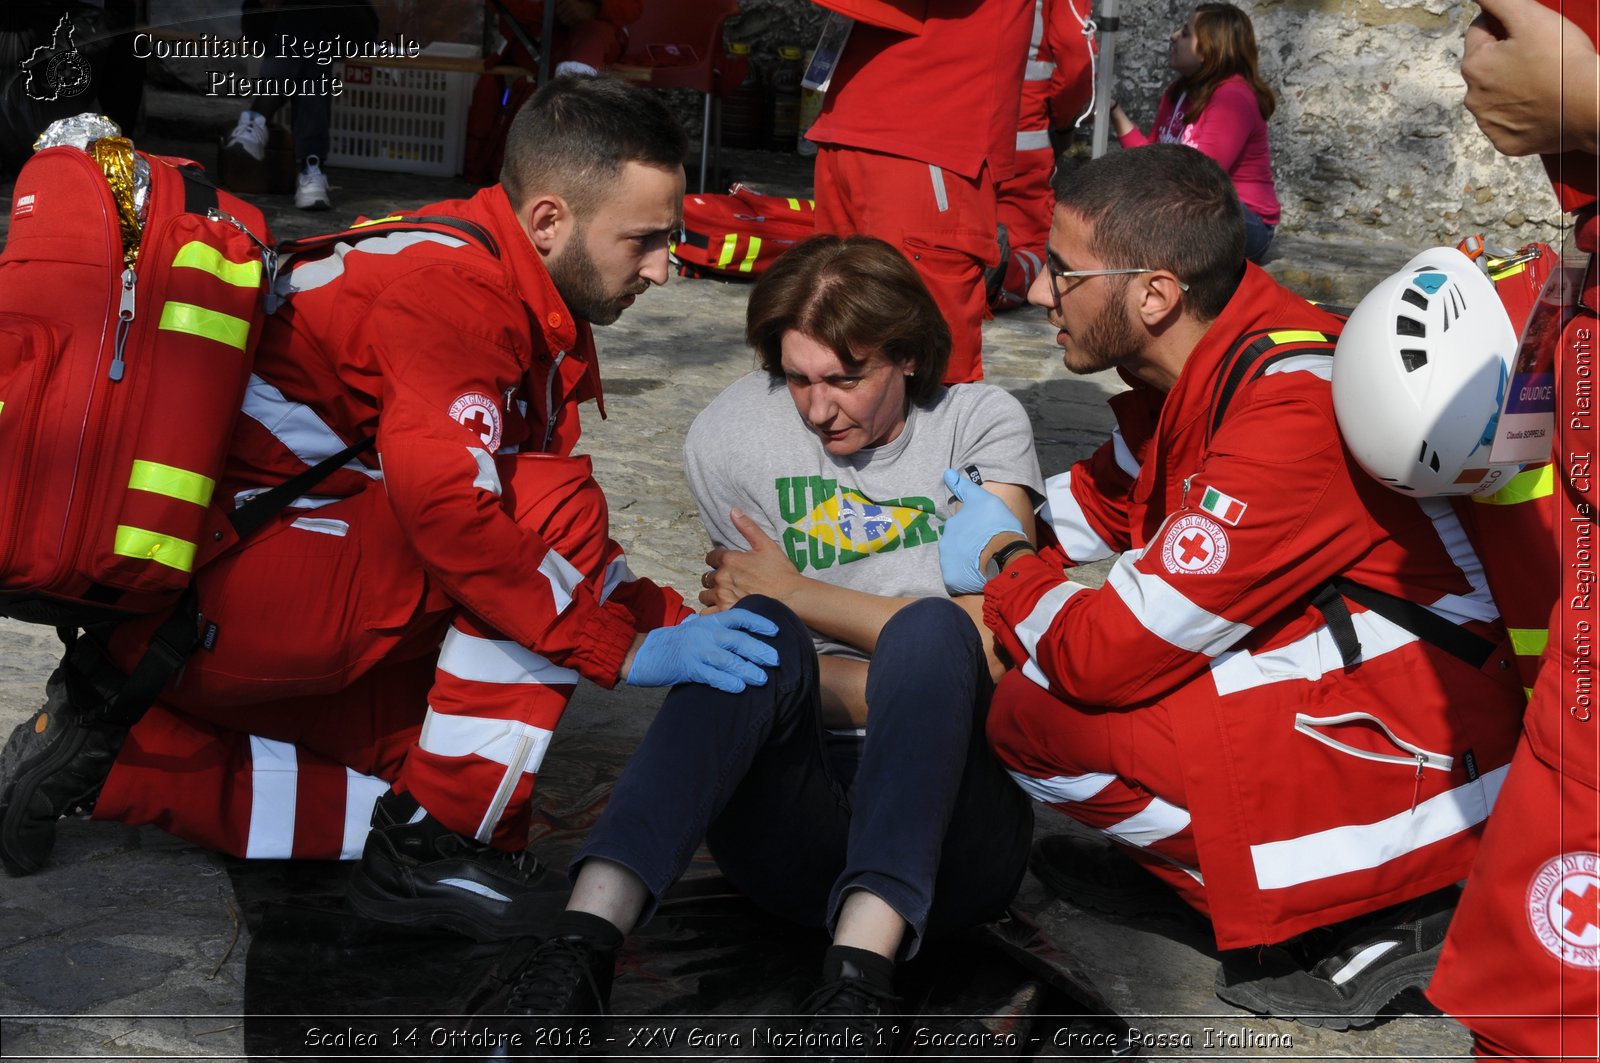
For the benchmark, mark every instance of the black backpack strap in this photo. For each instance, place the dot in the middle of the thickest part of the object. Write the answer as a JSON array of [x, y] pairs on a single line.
[[1252, 355], [251, 516], [1336, 614], [199, 194], [1419, 620], [474, 233]]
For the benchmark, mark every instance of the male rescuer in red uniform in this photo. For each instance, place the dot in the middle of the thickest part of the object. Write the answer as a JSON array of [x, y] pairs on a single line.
[[1281, 756], [915, 130], [1521, 965], [424, 619]]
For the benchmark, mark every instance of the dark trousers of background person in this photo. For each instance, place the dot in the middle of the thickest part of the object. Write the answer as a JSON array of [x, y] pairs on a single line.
[[1257, 235], [919, 812], [311, 113]]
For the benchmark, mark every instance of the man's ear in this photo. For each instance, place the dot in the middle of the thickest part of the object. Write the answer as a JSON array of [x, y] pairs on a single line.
[[546, 219], [1160, 299]]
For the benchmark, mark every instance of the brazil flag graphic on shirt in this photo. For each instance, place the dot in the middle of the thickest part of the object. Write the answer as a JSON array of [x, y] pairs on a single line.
[[828, 523]]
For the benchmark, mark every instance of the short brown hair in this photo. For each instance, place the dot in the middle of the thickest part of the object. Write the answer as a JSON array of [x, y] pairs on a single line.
[[1162, 206], [575, 135], [854, 295]]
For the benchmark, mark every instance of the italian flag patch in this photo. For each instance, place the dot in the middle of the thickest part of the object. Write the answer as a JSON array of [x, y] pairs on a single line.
[[1225, 508]]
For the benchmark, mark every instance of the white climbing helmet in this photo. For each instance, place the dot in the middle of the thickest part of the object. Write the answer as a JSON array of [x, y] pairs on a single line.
[[1419, 374]]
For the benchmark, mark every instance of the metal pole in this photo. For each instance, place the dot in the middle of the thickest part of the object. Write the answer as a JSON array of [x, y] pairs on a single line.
[[1106, 26], [547, 34]]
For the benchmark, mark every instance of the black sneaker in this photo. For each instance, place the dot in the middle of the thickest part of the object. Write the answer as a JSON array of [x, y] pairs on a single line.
[[843, 1022], [418, 873], [555, 1002], [52, 766], [1102, 879], [994, 277], [1342, 976]]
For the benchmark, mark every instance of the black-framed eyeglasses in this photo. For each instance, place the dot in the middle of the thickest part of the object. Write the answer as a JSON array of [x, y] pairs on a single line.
[[1058, 275]]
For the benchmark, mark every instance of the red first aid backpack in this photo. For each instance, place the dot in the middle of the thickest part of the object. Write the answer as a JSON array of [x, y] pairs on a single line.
[[119, 383], [739, 234]]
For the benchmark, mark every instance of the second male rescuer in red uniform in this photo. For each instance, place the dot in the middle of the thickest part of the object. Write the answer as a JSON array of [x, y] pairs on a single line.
[[914, 132], [470, 522]]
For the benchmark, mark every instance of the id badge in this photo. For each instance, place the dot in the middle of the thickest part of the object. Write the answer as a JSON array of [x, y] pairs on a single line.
[[830, 46], [1525, 432]]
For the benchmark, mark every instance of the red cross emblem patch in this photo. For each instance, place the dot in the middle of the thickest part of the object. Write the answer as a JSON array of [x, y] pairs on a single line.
[[1194, 546], [1564, 908], [477, 412]]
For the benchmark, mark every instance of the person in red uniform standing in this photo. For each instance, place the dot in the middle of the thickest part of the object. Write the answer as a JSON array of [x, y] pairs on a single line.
[[1057, 86], [1240, 665], [1521, 965], [914, 132], [396, 650]]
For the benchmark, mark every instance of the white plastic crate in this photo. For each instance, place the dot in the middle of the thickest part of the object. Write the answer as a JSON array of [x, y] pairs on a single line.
[[395, 118]]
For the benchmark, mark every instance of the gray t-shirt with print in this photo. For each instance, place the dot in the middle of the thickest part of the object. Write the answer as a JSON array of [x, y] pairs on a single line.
[[869, 521]]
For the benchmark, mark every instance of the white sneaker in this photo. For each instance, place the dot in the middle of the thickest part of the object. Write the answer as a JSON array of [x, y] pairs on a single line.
[[249, 136], [311, 193]]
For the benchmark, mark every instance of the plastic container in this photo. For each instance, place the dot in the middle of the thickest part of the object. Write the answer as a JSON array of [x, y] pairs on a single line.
[[744, 108], [783, 124], [810, 107], [403, 119]]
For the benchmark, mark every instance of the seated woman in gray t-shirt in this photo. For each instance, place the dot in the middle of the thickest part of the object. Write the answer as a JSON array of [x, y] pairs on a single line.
[[854, 791]]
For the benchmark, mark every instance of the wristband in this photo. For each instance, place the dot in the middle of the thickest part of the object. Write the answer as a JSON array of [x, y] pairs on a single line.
[[1002, 557]]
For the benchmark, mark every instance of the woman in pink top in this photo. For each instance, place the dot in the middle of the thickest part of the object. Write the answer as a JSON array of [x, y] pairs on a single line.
[[1219, 104]]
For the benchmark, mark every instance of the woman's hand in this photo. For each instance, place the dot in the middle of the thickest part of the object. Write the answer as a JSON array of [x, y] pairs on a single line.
[[762, 569], [1120, 122]]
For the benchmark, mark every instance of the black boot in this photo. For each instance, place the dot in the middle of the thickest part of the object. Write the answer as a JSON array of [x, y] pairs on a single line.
[[55, 763], [416, 872]]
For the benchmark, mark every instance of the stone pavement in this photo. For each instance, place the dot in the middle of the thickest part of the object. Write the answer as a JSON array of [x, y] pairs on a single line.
[[131, 944]]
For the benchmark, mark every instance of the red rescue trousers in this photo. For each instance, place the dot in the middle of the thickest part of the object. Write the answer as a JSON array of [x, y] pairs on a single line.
[[943, 222], [339, 666]]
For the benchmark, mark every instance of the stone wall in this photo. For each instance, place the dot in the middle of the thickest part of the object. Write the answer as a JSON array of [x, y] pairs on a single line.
[[1370, 140]]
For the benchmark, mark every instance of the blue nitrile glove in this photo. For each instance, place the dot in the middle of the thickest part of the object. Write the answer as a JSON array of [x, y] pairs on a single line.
[[981, 517], [710, 648]]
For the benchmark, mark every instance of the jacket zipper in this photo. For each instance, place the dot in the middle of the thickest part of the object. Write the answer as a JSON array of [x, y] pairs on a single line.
[[550, 400], [125, 308]]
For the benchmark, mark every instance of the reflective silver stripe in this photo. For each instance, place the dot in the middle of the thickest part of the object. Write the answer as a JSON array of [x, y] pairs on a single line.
[[1362, 960], [503, 792], [1043, 614], [941, 198], [563, 577], [1033, 139], [303, 502], [274, 779], [323, 525], [496, 740], [1358, 847], [1477, 604], [1308, 658], [1167, 614], [1039, 70], [617, 573], [1036, 38], [293, 424], [1319, 365], [315, 274], [1030, 671], [1066, 518], [1073, 788], [481, 660], [1155, 822], [1124, 454], [488, 478], [361, 792]]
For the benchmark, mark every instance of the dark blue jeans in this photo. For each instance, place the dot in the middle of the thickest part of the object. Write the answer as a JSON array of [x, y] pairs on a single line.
[[919, 812], [1257, 235], [311, 115]]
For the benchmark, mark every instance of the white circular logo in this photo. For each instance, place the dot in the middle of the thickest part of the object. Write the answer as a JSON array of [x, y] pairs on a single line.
[[1564, 908], [1195, 546], [478, 413]]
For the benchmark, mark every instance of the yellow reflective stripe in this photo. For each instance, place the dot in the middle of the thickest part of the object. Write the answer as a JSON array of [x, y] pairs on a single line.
[[196, 255], [1527, 692], [376, 221], [1525, 486], [794, 204], [171, 481], [207, 324], [153, 546], [1295, 336], [1500, 275], [750, 256], [1528, 641], [729, 243]]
